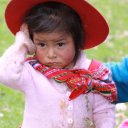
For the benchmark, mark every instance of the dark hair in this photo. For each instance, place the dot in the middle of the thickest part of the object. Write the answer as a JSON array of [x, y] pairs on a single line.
[[55, 16]]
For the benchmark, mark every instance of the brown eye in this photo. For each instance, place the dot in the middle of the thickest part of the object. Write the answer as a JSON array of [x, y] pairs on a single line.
[[61, 44], [41, 44]]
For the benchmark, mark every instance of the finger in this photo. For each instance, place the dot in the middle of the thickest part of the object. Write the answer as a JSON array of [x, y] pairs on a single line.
[[24, 28]]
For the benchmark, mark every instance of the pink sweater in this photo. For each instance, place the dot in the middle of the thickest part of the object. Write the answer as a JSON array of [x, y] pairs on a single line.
[[46, 102]]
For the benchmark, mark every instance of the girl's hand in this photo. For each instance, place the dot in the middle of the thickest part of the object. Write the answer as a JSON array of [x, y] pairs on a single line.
[[22, 38]]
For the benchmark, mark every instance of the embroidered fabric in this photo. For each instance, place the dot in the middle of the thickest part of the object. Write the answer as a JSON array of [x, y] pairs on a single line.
[[80, 81]]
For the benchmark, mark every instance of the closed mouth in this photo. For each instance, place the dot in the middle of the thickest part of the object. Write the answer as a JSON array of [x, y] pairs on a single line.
[[53, 64]]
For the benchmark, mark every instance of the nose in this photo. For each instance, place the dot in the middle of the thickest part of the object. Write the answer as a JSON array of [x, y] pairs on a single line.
[[51, 53]]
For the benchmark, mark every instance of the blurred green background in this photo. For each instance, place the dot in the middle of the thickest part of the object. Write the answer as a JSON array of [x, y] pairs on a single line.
[[113, 49]]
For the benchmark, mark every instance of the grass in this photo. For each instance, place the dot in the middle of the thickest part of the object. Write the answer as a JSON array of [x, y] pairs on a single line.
[[113, 49], [115, 12]]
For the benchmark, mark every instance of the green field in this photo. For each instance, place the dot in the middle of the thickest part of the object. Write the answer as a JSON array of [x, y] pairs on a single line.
[[113, 49]]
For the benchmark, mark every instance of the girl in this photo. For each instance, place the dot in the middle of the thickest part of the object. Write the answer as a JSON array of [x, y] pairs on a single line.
[[62, 88]]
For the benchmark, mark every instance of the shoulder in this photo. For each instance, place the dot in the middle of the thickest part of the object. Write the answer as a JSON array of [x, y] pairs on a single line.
[[95, 64], [99, 70]]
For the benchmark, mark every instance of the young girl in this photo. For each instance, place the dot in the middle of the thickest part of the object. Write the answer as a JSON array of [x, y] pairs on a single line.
[[62, 88]]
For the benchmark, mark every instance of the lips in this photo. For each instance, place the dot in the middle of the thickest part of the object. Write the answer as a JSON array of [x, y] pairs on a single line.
[[53, 65]]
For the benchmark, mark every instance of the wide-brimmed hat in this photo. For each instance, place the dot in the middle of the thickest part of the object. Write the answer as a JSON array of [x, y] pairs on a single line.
[[95, 27]]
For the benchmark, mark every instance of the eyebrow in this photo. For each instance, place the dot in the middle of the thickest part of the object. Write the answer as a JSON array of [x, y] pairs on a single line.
[[54, 40]]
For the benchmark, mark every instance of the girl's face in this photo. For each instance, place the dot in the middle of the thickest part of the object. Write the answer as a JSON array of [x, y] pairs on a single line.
[[55, 49]]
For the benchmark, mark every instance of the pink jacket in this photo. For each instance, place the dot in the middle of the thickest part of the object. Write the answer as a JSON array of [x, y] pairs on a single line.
[[46, 102]]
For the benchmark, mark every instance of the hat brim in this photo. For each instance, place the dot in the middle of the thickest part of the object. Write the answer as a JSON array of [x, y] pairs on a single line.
[[95, 26]]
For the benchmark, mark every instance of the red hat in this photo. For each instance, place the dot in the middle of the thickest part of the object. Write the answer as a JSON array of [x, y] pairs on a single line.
[[95, 26]]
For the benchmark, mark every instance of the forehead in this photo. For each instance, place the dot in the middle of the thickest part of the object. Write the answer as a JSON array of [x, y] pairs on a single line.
[[51, 35]]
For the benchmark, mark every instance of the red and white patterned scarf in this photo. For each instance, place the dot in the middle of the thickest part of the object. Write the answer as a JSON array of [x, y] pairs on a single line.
[[97, 79]]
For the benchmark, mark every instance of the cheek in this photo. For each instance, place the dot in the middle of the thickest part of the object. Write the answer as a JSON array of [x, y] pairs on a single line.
[[39, 55], [68, 55]]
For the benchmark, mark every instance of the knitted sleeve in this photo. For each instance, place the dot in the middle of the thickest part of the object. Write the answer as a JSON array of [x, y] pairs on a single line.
[[12, 66]]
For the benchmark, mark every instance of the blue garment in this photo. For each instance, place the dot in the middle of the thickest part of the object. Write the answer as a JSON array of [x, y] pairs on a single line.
[[120, 76]]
